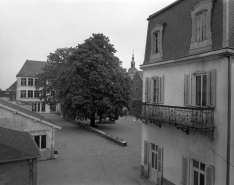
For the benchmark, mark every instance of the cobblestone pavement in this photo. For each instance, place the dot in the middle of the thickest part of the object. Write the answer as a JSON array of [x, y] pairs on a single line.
[[85, 158]]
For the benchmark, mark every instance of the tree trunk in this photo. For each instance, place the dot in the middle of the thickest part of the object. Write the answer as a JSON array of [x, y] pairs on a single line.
[[92, 121], [100, 117]]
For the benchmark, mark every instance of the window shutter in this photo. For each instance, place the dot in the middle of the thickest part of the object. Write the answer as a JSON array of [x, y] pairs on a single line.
[[146, 89], [149, 90], [161, 89], [160, 166], [146, 159], [204, 26], [200, 27], [185, 170], [211, 83], [210, 173], [187, 89], [208, 24]]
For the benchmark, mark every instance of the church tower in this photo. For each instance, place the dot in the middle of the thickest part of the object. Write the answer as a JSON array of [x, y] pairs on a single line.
[[132, 71]]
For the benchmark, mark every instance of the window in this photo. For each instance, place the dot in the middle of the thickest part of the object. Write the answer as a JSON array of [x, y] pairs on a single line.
[[36, 81], [199, 88], [23, 93], [36, 94], [43, 107], [38, 107], [201, 27], [23, 81], [30, 81], [136, 89], [52, 93], [201, 173], [41, 141], [156, 43], [34, 107], [156, 85], [30, 94], [157, 89]]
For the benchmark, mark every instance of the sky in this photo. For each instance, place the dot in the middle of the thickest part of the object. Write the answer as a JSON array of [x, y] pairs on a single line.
[[32, 29]]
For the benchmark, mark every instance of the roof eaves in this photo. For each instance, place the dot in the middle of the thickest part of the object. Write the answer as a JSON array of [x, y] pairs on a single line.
[[29, 116], [164, 9]]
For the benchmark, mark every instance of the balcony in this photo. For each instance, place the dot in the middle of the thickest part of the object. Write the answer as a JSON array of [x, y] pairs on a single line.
[[184, 118]]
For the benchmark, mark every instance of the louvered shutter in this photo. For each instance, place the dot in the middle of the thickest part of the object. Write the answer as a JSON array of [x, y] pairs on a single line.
[[161, 89], [210, 173], [208, 24], [160, 166], [149, 90], [187, 89], [204, 22], [211, 83], [185, 171], [146, 89], [146, 159]]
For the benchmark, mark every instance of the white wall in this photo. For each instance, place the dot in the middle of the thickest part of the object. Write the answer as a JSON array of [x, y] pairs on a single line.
[[175, 142]]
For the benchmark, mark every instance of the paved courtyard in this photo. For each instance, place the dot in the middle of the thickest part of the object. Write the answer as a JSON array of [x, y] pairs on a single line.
[[85, 158]]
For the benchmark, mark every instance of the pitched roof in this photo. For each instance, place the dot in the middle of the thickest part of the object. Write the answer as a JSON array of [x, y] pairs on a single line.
[[25, 112], [31, 68], [140, 73], [15, 145], [164, 9], [13, 86]]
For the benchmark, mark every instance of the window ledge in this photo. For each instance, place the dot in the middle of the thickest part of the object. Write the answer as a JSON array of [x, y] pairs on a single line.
[[200, 46], [155, 58]]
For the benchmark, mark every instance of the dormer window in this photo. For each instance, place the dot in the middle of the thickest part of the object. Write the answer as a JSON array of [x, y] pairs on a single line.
[[201, 27], [156, 43]]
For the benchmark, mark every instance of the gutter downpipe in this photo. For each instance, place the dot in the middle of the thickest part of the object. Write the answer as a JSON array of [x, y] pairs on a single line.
[[229, 122]]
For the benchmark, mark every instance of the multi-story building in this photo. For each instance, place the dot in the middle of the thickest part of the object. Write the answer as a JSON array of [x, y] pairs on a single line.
[[188, 80], [26, 93]]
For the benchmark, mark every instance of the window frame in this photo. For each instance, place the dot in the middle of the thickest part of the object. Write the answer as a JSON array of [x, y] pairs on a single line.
[[190, 88], [30, 81], [201, 74], [156, 56], [22, 93], [36, 81], [36, 94], [40, 141], [30, 92], [203, 45], [23, 81], [160, 88]]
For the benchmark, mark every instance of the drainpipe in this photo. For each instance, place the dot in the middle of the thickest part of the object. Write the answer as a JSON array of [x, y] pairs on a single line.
[[229, 122]]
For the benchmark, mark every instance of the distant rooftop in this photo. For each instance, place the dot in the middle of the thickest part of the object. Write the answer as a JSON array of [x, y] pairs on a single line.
[[31, 68]]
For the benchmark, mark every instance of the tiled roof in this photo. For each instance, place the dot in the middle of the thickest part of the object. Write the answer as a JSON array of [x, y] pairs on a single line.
[[15, 145], [13, 86], [26, 112], [31, 68]]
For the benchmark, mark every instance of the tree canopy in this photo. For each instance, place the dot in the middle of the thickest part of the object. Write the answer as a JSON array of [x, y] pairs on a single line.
[[88, 79]]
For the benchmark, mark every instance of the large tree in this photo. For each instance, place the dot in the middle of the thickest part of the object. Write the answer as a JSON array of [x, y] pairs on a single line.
[[89, 80]]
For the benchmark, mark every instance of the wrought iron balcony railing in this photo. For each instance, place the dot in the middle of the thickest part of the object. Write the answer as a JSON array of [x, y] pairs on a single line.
[[184, 118]]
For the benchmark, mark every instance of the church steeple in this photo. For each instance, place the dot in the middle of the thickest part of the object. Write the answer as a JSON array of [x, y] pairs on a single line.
[[133, 62]]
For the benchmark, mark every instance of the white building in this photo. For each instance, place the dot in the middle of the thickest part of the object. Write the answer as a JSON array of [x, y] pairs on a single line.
[[188, 83], [26, 94]]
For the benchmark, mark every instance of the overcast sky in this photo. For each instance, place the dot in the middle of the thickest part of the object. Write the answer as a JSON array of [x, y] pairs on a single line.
[[31, 29]]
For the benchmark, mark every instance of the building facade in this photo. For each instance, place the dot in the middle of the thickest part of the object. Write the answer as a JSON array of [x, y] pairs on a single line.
[[15, 117], [188, 83], [26, 93]]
